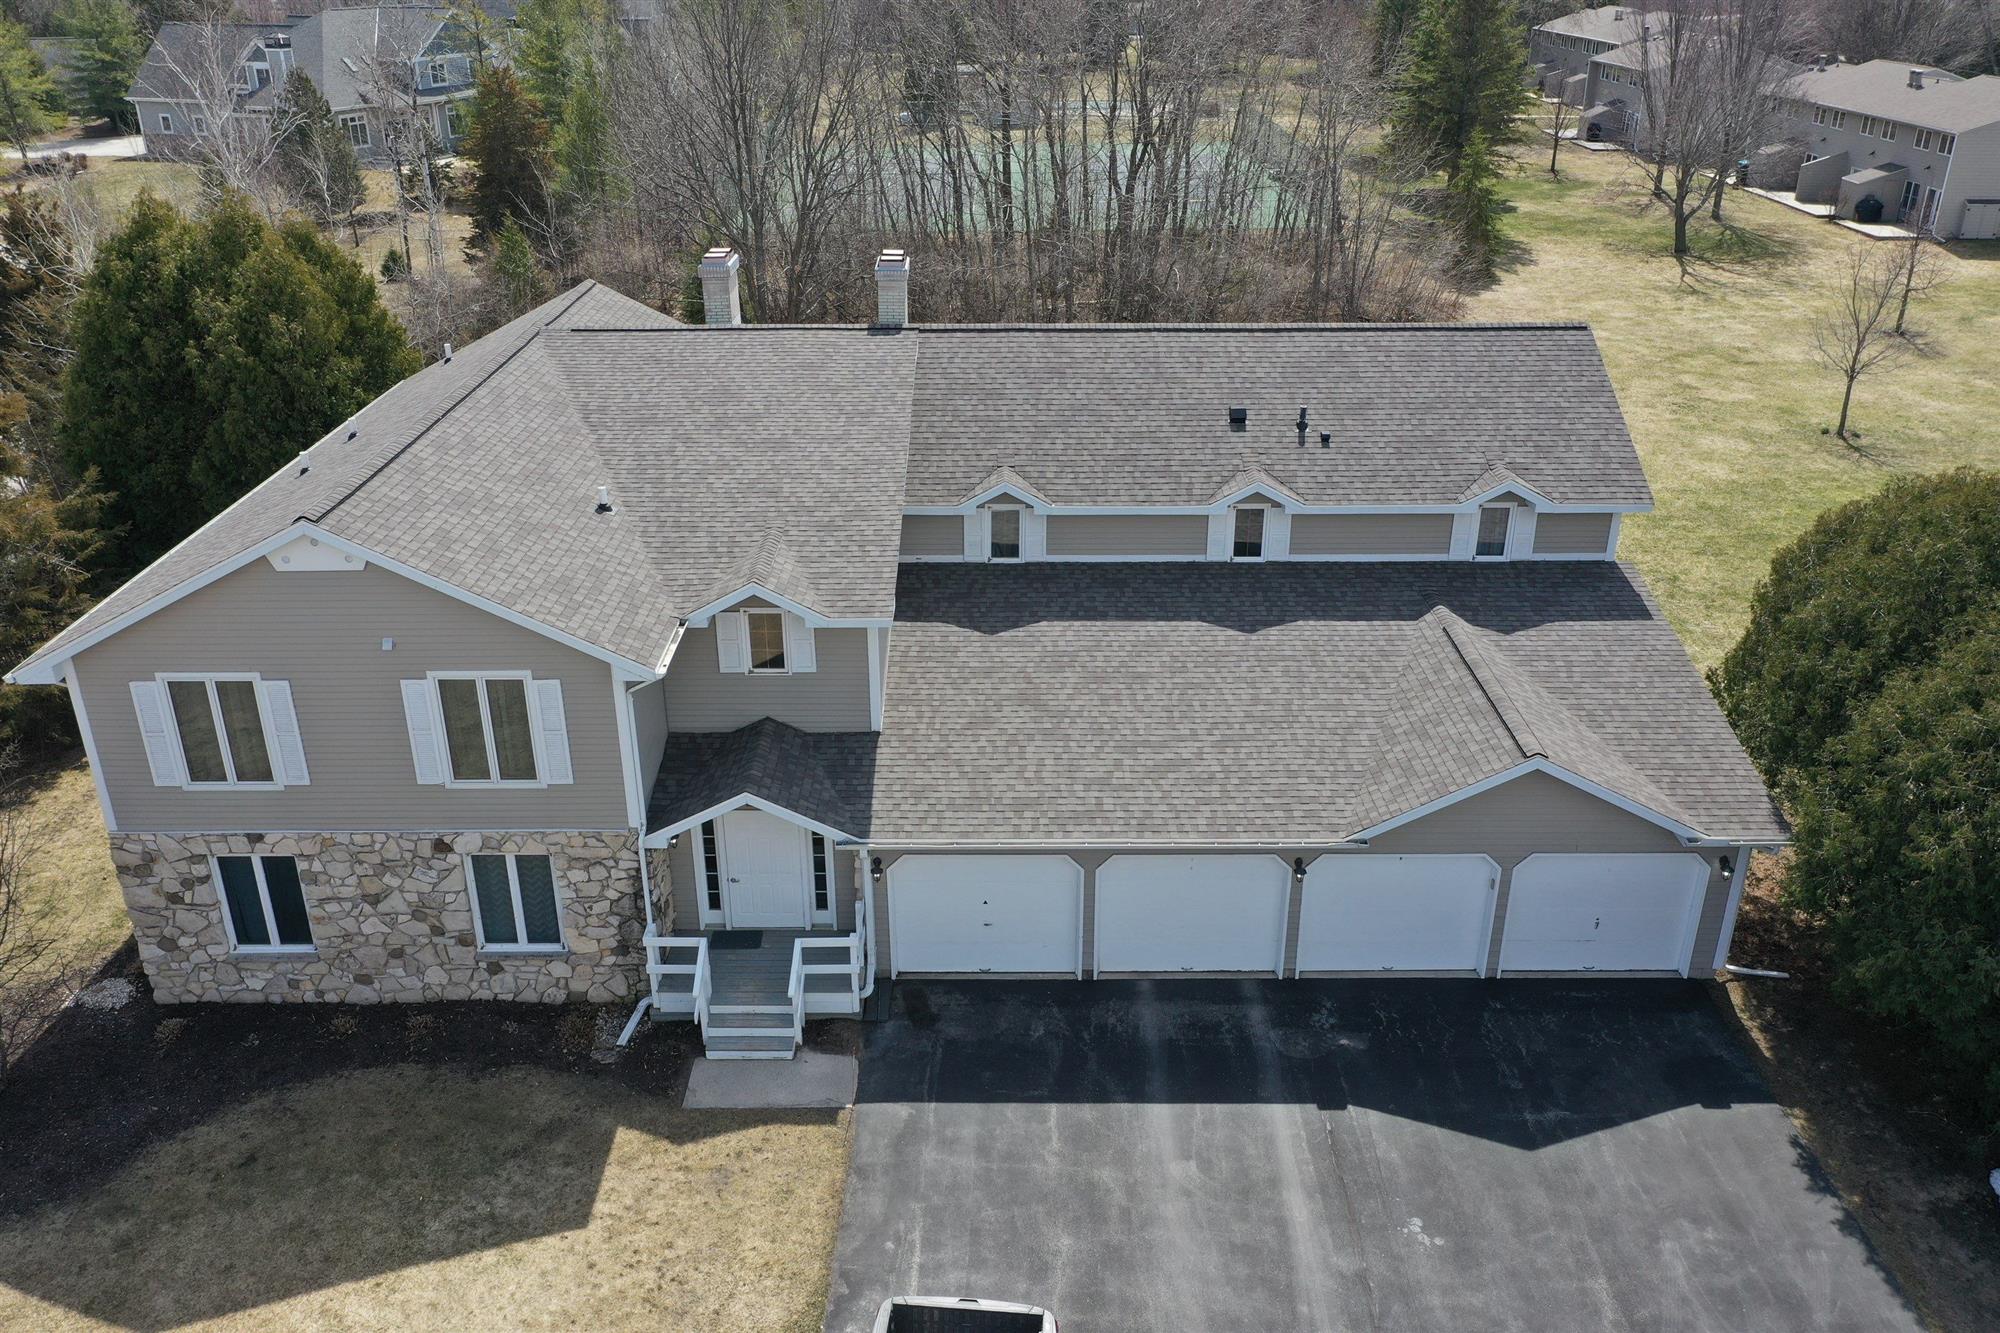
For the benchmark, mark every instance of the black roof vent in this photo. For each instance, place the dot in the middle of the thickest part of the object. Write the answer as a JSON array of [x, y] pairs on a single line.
[[1239, 418], [1302, 418], [1326, 439]]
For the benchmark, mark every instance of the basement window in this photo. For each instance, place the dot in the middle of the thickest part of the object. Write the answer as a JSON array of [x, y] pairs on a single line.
[[1494, 521], [515, 898], [265, 906], [1248, 541]]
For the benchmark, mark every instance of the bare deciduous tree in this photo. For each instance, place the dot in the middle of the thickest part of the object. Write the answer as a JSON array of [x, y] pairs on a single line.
[[32, 985], [1942, 32], [1920, 270], [1856, 334], [202, 62]]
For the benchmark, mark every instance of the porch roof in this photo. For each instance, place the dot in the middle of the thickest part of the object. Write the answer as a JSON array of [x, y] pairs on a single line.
[[823, 778]]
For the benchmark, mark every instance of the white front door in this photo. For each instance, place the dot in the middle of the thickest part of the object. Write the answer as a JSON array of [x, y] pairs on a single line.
[[766, 872]]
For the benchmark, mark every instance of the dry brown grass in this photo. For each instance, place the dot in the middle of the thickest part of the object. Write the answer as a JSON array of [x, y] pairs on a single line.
[[414, 1198], [72, 890], [1713, 365]]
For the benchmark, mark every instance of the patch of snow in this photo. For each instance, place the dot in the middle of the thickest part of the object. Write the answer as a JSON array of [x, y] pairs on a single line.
[[111, 993], [1414, 1229]]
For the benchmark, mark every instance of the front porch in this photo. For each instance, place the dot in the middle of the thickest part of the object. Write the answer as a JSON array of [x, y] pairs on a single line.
[[751, 991]]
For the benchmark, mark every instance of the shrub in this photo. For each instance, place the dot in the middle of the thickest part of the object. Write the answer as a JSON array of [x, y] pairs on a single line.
[[1871, 588], [1898, 854]]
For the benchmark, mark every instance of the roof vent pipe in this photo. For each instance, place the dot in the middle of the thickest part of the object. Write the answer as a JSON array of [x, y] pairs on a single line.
[[721, 300], [447, 351], [892, 289], [603, 499], [1917, 79]]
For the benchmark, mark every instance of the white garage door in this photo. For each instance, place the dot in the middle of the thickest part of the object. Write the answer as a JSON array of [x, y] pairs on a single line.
[[985, 914], [1192, 913], [1397, 913], [1607, 913]]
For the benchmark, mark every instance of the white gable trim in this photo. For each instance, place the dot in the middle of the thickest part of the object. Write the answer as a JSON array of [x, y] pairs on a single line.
[[1520, 488], [49, 670], [661, 836], [700, 617], [1012, 492], [1561, 774]]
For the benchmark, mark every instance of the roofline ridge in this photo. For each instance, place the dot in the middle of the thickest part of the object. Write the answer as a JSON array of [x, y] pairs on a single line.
[[324, 510], [1495, 690]]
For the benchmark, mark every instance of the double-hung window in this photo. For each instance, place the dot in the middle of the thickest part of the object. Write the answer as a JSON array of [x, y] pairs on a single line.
[[219, 723], [1494, 522], [767, 640], [489, 730], [438, 74], [1840, 120], [264, 905], [763, 641], [1889, 131], [1247, 534], [1868, 127], [1946, 142], [514, 899]]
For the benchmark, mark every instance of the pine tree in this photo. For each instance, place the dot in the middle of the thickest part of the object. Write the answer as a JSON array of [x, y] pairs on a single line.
[[1461, 76], [562, 49], [508, 143], [207, 353], [1473, 196], [315, 163], [517, 270], [1390, 26], [109, 49], [28, 98]]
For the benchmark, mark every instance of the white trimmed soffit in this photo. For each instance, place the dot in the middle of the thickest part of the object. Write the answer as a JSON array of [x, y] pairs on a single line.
[[666, 833], [1296, 507], [1687, 834], [700, 616], [48, 670]]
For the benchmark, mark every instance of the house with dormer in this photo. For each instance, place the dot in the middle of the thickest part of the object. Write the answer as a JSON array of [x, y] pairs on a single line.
[[734, 671], [204, 79]]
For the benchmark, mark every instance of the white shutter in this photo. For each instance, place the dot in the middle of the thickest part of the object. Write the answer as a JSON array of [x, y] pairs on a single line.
[[799, 652], [556, 768], [1221, 534], [732, 642], [978, 544], [286, 742], [425, 751], [149, 700], [1277, 534]]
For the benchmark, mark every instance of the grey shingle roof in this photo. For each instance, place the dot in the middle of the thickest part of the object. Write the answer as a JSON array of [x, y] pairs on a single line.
[[1882, 88], [1138, 414], [1604, 23], [824, 776], [185, 57], [1230, 703]]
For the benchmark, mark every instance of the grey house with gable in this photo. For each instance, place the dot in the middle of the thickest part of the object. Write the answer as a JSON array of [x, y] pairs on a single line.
[[904, 649]]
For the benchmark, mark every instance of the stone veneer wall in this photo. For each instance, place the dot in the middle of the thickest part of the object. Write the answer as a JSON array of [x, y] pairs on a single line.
[[660, 872], [391, 918]]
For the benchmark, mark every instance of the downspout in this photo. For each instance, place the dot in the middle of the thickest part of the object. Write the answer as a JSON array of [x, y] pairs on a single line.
[[645, 1004], [865, 882], [1738, 873]]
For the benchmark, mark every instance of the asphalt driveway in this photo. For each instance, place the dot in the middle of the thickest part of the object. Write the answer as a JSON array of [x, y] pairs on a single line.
[[1334, 1155]]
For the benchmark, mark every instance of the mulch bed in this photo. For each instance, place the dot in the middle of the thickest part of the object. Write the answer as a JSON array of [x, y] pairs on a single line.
[[101, 1086]]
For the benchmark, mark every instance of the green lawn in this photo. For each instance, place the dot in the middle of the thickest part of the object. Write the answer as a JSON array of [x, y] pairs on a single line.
[[1714, 367]]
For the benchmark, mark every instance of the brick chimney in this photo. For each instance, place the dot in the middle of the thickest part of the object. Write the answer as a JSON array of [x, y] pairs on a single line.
[[721, 302], [892, 289]]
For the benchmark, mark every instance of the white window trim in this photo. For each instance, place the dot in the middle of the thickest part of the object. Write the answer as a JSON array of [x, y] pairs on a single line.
[[264, 900], [1020, 534], [705, 883], [514, 892], [451, 779], [277, 782], [1263, 535], [1506, 542], [818, 847], [166, 122], [1946, 143], [438, 71], [750, 657]]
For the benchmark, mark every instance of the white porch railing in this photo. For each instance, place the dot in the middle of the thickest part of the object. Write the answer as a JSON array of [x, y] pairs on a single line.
[[695, 1000]]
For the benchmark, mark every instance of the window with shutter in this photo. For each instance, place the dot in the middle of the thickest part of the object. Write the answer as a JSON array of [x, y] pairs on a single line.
[[492, 734], [218, 731]]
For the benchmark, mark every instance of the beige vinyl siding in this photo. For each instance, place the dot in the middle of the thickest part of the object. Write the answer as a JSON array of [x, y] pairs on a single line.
[[1371, 534], [649, 715], [323, 633], [933, 535], [1572, 534], [833, 698], [1128, 534], [1533, 813]]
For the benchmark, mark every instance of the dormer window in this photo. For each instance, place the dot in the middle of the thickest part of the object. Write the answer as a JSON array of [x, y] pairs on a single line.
[[1494, 523], [1248, 533], [767, 640], [437, 75], [1003, 533]]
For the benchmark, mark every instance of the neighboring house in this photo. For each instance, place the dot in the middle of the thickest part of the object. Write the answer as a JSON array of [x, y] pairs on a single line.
[[1922, 142], [197, 75], [1069, 651], [1560, 50]]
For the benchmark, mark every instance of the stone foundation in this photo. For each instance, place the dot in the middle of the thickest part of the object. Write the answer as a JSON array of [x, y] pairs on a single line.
[[391, 918]]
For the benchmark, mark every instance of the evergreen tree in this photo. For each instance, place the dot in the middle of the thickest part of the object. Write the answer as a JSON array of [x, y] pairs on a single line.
[[1390, 25], [110, 47], [314, 162], [28, 101], [563, 47], [1473, 197], [1460, 77], [517, 270], [508, 143], [48, 543], [207, 353]]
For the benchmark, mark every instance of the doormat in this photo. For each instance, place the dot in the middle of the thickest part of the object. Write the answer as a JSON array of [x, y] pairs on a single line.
[[736, 939]]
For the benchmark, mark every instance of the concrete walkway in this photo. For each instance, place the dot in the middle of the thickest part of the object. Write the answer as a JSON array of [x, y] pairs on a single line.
[[812, 1078]]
